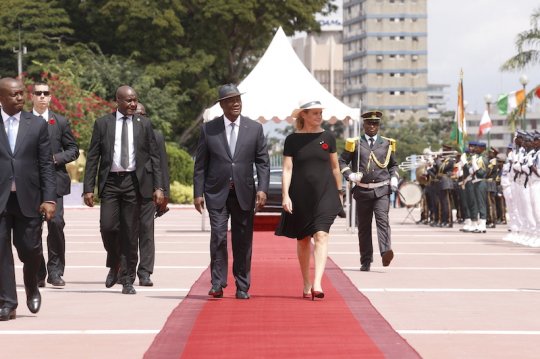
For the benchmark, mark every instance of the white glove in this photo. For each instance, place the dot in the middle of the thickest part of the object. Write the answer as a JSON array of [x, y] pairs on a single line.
[[393, 184], [475, 164], [356, 177], [493, 161], [463, 158], [525, 169]]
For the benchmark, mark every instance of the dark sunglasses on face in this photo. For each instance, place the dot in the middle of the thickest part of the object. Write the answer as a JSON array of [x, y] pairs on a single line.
[[44, 93]]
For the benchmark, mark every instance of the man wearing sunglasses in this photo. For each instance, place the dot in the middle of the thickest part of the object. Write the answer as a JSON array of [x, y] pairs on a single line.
[[64, 148]]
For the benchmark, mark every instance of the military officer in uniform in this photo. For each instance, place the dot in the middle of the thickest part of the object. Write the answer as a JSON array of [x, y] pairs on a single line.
[[373, 170], [445, 167]]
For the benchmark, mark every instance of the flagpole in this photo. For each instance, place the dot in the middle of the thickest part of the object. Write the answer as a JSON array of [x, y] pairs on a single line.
[[488, 99], [524, 80]]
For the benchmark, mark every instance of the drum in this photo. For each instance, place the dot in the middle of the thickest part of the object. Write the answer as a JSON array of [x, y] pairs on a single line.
[[410, 193]]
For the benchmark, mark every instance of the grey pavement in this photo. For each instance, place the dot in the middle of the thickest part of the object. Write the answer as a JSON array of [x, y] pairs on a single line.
[[449, 294]]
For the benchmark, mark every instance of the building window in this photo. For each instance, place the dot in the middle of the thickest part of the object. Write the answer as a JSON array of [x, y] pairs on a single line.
[[415, 38], [380, 58], [379, 75], [414, 57]]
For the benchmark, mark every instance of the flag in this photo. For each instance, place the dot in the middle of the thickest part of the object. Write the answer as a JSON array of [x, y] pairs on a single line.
[[485, 124], [508, 102], [459, 134]]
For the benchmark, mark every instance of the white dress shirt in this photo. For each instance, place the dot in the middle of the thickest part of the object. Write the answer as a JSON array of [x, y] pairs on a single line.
[[228, 128], [116, 167]]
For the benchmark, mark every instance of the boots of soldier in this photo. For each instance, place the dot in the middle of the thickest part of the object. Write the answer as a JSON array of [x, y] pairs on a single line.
[[467, 227], [481, 226]]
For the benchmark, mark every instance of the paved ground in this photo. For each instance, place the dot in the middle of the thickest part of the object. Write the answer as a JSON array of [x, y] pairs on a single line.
[[451, 295]]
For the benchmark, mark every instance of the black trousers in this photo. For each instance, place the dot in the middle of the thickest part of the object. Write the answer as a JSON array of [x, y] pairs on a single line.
[[119, 218], [147, 247], [27, 241], [241, 238], [365, 209], [56, 244]]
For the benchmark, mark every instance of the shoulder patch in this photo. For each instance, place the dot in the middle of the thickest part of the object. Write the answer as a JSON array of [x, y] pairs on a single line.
[[350, 144]]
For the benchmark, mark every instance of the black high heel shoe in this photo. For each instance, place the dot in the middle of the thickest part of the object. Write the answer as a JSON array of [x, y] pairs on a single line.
[[316, 294]]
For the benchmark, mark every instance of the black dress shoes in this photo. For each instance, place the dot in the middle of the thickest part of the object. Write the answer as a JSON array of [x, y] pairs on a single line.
[[365, 267], [55, 280], [146, 282], [216, 291], [7, 313], [112, 277], [33, 299], [240, 294], [128, 289], [387, 257], [41, 283]]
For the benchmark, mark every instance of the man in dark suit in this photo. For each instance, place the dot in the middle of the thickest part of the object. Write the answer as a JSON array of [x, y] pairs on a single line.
[[27, 193], [229, 146], [149, 211], [64, 148], [124, 156], [374, 171]]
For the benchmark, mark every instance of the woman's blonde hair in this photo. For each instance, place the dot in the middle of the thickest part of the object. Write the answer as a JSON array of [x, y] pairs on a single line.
[[299, 123]]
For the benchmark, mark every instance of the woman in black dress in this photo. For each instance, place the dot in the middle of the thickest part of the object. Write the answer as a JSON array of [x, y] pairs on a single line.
[[311, 192]]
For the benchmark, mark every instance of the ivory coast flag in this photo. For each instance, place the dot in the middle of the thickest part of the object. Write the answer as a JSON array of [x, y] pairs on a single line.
[[485, 124], [459, 133], [508, 102]]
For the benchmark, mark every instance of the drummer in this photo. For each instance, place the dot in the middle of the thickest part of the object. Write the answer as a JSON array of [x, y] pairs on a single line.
[[373, 170]]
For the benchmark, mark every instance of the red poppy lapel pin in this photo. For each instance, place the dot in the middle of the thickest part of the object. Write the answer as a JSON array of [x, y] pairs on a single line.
[[324, 145], [52, 121]]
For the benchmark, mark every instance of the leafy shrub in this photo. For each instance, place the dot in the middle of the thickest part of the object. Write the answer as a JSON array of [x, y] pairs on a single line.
[[180, 193]]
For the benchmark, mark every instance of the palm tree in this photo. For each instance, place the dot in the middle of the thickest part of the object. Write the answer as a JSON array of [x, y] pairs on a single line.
[[528, 46]]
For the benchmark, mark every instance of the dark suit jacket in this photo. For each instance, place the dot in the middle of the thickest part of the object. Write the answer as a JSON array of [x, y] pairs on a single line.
[[64, 149], [374, 173], [215, 165], [31, 164], [99, 158], [163, 160]]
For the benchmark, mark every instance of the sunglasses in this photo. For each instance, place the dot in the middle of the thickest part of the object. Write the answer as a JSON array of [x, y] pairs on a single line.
[[44, 93]]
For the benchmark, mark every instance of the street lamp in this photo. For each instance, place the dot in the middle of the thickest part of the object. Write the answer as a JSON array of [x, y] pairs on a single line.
[[488, 100], [523, 79]]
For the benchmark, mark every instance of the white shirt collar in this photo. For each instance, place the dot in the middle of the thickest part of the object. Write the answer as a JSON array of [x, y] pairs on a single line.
[[228, 122], [119, 116], [5, 116], [368, 137], [45, 114]]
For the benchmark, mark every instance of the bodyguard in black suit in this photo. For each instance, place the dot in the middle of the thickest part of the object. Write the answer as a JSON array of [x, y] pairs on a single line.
[[374, 171], [27, 192], [228, 149], [64, 148], [149, 211], [123, 155]]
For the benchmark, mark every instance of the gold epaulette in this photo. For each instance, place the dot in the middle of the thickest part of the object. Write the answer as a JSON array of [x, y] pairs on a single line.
[[350, 144], [393, 143]]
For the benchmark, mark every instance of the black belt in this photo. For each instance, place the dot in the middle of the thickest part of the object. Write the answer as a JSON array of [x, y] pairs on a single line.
[[122, 173]]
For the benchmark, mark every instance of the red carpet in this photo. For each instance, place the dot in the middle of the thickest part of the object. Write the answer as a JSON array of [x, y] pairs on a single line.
[[277, 322]]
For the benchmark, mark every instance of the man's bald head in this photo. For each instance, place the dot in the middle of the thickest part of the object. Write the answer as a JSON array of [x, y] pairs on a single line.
[[11, 95], [126, 100]]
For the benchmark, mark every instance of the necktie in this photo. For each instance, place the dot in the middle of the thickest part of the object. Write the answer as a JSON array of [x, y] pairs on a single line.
[[232, 140], [124, 145], [12, 137], [371, 142]]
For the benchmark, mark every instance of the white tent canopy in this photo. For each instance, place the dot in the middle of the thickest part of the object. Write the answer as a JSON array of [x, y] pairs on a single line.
[[278, 83]]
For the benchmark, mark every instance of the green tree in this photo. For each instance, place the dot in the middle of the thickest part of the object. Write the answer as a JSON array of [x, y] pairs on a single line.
[[527, 45], [44, 27]]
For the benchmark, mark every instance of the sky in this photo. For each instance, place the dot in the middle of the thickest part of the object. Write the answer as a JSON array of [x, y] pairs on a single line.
[[477, 36]]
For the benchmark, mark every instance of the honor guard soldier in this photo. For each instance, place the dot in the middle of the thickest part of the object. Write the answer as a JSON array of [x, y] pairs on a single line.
[[369, 163]]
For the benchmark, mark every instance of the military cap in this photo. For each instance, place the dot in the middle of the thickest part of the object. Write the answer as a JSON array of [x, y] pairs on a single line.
[[536, 135], [501, 157], [372, 116], [481, 144], [473, 143], [494, 150], [227, 91], [520, 133]]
